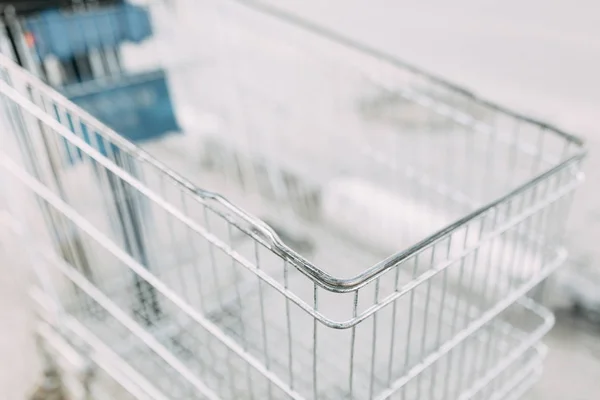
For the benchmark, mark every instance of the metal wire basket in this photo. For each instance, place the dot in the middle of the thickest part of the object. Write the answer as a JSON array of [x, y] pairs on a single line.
[[374, 235]]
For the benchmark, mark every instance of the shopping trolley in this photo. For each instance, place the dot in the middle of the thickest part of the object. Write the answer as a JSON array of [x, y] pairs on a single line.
[[332, 224]]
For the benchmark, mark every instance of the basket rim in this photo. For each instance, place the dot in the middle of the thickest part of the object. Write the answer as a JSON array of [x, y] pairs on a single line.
[[348, 284], [263, 230]]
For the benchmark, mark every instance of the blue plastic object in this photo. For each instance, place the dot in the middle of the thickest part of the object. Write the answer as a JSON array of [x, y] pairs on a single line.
[[136, 106], [67, 34]]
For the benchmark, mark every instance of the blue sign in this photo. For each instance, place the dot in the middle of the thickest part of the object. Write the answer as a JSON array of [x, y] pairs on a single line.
[[137, 107]]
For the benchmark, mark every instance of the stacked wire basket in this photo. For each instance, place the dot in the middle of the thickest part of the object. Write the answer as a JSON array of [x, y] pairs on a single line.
[[331, 223]]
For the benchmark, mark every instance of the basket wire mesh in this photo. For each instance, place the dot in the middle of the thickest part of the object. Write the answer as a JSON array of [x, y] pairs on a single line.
[[363, 231]]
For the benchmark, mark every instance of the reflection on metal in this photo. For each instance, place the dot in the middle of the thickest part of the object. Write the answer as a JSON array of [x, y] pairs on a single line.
[[386, 262]]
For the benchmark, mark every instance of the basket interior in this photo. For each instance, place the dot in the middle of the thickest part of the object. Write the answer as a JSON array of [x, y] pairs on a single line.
[[322, 141]]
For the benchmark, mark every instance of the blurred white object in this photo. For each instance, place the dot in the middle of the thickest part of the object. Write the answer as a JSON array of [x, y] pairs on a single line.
[[390, 222], [383, 218]]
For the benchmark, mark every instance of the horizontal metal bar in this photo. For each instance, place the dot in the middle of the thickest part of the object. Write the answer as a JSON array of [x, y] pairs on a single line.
[[525, 377], [521, 387], [143, 273], [485, 318], [514, 354]]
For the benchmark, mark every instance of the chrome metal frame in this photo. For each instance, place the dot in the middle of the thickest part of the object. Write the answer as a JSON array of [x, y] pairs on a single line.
[[239, 306]]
